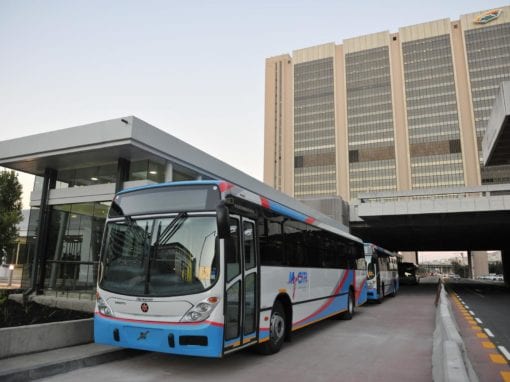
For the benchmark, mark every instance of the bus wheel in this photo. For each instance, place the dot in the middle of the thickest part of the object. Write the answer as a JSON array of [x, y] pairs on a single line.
[[347, 315], [277, 329]]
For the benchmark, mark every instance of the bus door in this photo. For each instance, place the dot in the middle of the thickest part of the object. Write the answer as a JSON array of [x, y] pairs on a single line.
[[241, 300]]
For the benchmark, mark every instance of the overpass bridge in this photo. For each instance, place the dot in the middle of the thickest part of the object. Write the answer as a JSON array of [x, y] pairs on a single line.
[[445, 219]]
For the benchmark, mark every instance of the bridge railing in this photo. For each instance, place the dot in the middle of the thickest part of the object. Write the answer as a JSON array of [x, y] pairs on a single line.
[[437, 193]]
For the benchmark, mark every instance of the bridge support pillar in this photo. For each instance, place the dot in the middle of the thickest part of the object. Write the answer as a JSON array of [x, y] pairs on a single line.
[[505, 259], [470, 264]]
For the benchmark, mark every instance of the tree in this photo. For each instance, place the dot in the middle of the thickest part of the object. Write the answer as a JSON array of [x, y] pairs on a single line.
[[459, 269], [10, 209]]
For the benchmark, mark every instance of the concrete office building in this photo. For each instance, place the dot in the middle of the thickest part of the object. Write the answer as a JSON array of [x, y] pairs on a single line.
[[387, 111]]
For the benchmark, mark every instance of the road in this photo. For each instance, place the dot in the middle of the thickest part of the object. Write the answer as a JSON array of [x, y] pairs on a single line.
[[387, 342], [490, 302]]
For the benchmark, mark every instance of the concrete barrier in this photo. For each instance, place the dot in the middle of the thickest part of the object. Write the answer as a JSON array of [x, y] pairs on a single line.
[[450, 362], [35, 338]]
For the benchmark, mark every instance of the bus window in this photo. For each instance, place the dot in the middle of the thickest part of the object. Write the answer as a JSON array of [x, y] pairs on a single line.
[[371, 271], [294, 244], [271, 244], [249, 245], [232, 260]]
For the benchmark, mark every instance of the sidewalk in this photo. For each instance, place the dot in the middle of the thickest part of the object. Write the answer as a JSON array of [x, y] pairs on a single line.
[[52, 362]]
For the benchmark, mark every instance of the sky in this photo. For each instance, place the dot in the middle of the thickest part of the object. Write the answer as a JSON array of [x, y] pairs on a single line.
[[194, 69]]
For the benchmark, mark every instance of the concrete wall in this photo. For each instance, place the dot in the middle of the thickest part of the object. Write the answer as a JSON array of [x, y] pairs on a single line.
[[35, 338], [480, 263]]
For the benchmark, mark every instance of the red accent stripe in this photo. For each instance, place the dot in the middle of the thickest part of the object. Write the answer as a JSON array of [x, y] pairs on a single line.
[[264, 202], [328, 301], [356, 293], [225, 186], [361, 288], [219, 324], [310, 220]]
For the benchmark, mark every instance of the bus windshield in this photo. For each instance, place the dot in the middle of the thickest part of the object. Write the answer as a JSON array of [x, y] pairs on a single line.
[[156, 257]]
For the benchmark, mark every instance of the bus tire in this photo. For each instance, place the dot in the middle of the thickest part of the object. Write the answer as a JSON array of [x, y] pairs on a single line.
[[347, 315], [277, 331]]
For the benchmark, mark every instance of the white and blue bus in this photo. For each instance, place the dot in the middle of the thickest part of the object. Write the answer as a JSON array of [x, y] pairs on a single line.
[[382, 275], [205, 268]]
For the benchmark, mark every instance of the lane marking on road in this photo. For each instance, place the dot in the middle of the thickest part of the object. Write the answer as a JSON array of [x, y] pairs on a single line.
[[485, 335], [489, 333], [505, 352], [497, 358], [488, 345]]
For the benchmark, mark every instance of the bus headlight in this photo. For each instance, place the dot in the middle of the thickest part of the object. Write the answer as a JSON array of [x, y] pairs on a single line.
[[103, 307], [201, 311]]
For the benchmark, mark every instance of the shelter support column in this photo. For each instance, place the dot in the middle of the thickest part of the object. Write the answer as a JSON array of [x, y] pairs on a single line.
[[122, 173], [169, 172], [39, 264]]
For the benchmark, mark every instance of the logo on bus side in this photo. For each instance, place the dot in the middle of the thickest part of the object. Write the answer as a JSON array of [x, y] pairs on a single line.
[[297, 280], [144, 307]]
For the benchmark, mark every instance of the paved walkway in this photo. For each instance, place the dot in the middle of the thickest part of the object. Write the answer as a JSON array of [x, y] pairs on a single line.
[[387, 342]]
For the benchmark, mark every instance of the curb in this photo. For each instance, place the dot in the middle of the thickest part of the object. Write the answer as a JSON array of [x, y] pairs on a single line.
[[450, 362], [66, 363]]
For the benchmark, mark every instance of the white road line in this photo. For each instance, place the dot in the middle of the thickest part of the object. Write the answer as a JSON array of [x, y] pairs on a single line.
[[471, 313], [489, 333], [478, 320], [505, 352], [465, 306]]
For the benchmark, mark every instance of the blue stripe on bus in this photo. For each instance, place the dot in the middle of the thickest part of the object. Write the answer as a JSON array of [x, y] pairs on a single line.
[[278, 208], [154, 337], [372, 294]]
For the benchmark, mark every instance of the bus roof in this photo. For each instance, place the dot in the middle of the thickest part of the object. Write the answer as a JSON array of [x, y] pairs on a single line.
[[378, 249], [292, 208]]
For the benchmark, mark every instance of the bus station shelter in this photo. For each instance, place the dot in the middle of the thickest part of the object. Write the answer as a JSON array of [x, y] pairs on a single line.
[[78, 170]]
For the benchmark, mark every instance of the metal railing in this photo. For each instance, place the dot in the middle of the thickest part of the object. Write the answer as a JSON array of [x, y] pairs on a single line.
[[439, 193]]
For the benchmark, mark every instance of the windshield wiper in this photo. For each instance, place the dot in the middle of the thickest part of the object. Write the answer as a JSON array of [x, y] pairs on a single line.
[[164, 236], [172, 228], [151, 254]]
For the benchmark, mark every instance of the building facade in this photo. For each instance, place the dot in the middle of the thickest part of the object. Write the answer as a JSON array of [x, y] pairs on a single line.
[[387, 111]]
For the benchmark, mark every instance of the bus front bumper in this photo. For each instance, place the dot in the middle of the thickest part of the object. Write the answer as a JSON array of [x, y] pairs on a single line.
[[204, 339]]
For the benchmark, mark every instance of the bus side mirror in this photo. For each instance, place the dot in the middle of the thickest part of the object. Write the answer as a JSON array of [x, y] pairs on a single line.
[[222, 219]]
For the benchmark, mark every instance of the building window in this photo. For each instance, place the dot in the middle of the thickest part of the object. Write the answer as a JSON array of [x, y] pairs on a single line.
[[432, 118], [74, 243], [146, 169], [314, 128]]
